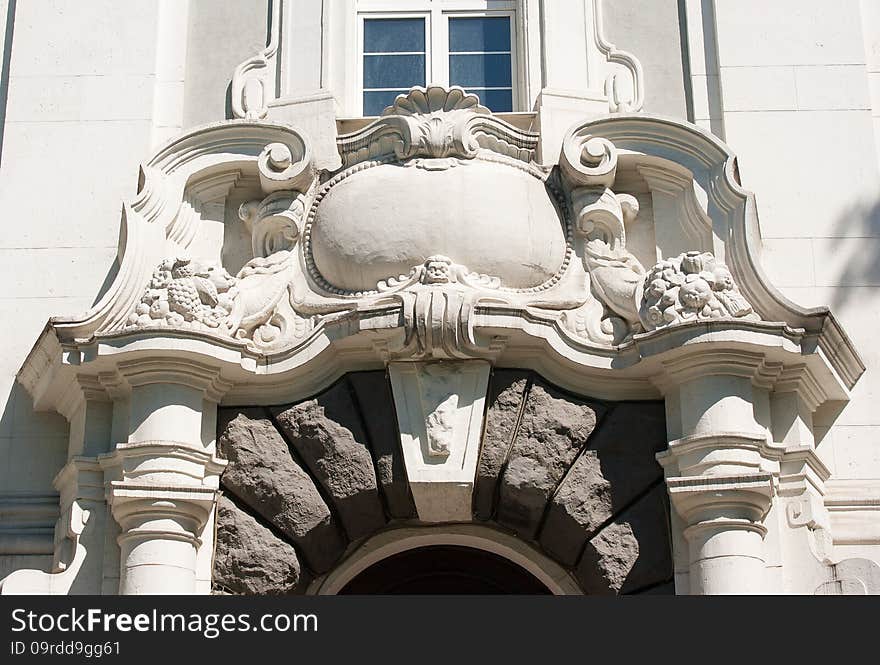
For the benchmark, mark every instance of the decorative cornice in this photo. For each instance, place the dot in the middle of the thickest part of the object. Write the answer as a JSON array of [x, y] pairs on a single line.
[[187, 373], [800, 378], [583, 325], [801, 470], [80, 478], [712, 362]]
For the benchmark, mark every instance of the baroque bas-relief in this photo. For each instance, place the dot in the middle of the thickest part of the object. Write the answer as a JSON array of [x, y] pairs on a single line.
[[565, 258], [442, 250]]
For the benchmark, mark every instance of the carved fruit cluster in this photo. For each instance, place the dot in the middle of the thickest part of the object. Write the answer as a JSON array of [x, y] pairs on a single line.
[[186, 294], [691, 286]]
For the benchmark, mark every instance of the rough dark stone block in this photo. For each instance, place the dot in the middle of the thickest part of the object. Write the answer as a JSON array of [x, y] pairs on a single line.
[[617, 465], [633, 552], [250, 559], [262, 474], [553, 428], [506, 390], [377, 406], [327, 435]]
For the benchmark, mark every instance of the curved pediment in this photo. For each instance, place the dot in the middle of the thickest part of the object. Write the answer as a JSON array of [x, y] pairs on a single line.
[[441, 237]]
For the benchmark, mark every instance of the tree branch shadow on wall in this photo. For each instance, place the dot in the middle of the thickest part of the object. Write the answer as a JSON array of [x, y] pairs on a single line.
[[861, 268]]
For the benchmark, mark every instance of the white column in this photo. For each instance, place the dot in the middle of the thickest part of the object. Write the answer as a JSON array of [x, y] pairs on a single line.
[[164, 478], [160, 537], [724, 532], [718, 471]]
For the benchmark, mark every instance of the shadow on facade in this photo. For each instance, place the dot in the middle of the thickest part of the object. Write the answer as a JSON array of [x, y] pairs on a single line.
[[861, 267]]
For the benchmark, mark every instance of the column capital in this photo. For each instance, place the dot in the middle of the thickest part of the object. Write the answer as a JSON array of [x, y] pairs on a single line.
[[162, 464], [723, 527], [132, 504], [728, 498], [750, 365], [719, 453], [176, 371]]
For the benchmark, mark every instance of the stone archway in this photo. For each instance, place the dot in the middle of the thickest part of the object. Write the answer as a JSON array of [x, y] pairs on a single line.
[[575, 478]]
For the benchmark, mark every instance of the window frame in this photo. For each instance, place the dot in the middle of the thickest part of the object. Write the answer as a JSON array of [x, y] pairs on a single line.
[[362, 18], [436, 14]]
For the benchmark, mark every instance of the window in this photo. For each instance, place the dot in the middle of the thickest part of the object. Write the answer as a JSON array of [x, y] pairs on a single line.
[[480, 59], [437, 42], [394, 60]]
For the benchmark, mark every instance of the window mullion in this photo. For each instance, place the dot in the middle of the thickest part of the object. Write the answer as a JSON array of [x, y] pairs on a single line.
[[439, 47]]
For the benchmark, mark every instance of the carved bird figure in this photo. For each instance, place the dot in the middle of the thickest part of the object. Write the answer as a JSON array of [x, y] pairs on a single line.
[[615, 276]]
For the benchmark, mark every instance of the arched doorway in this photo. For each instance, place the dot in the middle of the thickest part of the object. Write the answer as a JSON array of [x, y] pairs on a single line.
[[445, 569], [567, 489]]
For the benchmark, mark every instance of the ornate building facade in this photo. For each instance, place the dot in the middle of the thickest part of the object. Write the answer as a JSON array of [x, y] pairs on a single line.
[[440, 295]]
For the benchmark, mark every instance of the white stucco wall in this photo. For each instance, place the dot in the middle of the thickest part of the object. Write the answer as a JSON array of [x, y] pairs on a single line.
[[92, 86], [799, 106]]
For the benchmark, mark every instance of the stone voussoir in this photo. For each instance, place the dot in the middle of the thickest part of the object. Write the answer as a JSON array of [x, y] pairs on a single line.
[[631, 553], [250, 559], [262, 474], [327, 435], [506, 391], [553, 428], [377, 406], [617, 465]]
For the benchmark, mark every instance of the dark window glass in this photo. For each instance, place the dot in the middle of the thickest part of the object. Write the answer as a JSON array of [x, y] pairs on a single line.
[[394, 60], [480, 70], [394, 35], [375, 101], [499, 101], [491, 33], [393, 71], [480, 59]]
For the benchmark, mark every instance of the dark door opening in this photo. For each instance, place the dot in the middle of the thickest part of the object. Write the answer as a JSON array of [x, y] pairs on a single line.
[[445, 569]]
